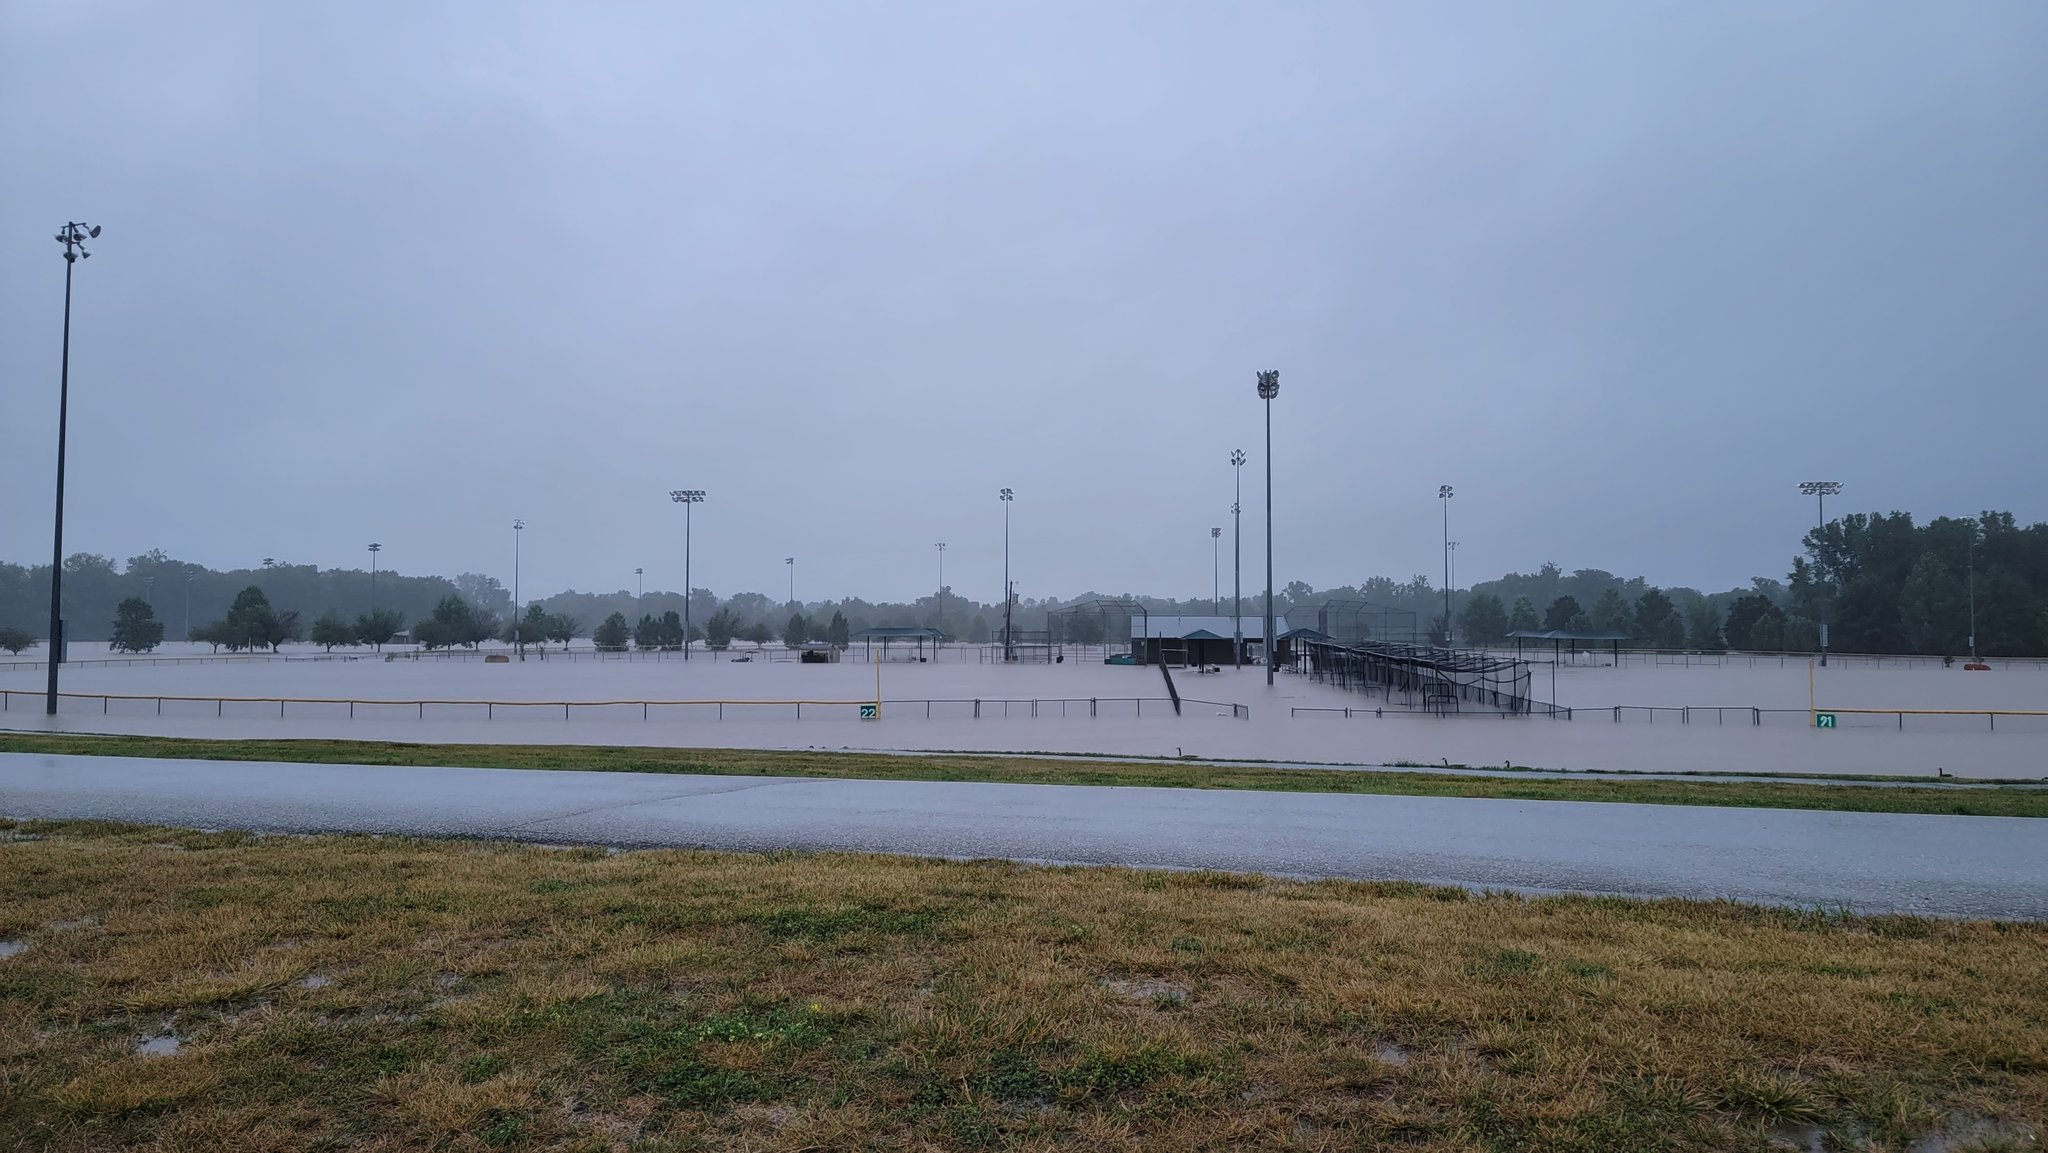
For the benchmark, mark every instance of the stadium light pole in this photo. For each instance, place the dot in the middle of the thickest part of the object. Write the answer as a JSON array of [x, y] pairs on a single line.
[[1973, 589], [375, 548], [1269, 387], [1443, 493], [518, 636], [73, 237], [1215, 571], [640, 584], [686, 497], [188, 604], [1821, 490], [1237, 459], [790, 563], [1009, 644], [1449, 635], [941, 546]]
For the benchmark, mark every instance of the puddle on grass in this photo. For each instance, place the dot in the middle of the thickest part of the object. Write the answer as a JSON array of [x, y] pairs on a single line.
[[316, 981], [159, 1045], [1972, 1133], [87, 922], [1389, 1053], [13, 948], [1148, 990]]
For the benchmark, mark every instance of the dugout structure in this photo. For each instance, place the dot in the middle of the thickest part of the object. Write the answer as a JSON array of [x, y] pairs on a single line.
[[1441, 681], [1098, 628], [1363, 622]]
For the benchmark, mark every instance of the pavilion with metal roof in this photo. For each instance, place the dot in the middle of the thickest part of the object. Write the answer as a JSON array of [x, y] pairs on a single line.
[[1574, 637], [901, 636]]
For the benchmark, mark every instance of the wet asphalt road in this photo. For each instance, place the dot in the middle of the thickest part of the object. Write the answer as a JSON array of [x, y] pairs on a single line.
[[1869, 862]]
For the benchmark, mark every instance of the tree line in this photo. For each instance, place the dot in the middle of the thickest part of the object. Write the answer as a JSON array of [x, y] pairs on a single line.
[[1883, 582]]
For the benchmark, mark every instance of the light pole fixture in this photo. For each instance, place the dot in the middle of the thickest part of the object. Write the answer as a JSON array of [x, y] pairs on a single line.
[[518, 635], [941, 546], [1009, 643], [1215, 571], [1269, 387], [73, 237], [640, 577], [1821, 490], [375, 548], [790, 561], [1237, 459], [686, 497], [1443, 493]]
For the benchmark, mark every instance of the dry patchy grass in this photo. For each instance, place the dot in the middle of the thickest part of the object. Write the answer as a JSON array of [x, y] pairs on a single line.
[[485, 996]]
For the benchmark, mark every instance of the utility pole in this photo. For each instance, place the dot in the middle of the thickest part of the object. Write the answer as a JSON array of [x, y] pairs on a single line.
[[73, 237], [1269, 387], [1009, 639], [1443, 493], [1215, 571], [518, 634], [1821, 490], [687, 497], [1237, 459]]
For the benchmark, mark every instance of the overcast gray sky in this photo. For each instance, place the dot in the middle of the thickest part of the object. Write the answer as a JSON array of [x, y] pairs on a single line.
[[1624, 273]]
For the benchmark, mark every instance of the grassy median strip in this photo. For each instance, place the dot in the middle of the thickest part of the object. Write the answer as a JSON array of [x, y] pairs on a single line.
[[167, 989], [2016, 800]]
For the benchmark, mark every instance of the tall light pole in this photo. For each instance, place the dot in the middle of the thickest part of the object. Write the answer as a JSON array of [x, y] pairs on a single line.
[[1443, 493], [640, 584], [1973, 590], [1237, 459], [1821, 490], [73, 237], [375, 548], [518, 636], [1009, 645], [1215, 571], [686, 497], [188, 604], [790, 562], [941, 546], [1449, 634], [1269, 387]]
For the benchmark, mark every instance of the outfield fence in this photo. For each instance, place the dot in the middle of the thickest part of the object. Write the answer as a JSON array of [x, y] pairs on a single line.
[[337, 708], [2023, 720]]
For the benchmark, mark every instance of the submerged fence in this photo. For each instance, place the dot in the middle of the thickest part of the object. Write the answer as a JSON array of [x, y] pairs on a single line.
[[339, 708], [2020, 720]]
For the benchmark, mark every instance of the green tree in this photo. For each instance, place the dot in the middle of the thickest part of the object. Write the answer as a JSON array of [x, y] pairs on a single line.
[[532, 628], [1746, 616], [1523, 618], [15, 640], [720, 629], [455, 622], [1656, 618], [1703, 626], [839, 632], [1562, 612], [1613, 614], [136, 629], [257, 624], [331, 630], [978, 632], [563, 628], [796, 631], [647, 634], [1483, 620], [757, 633], [613, 635], [378, 626], [1932, 612]]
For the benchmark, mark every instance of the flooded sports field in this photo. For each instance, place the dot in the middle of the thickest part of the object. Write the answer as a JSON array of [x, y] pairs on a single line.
[[1718, 715]]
